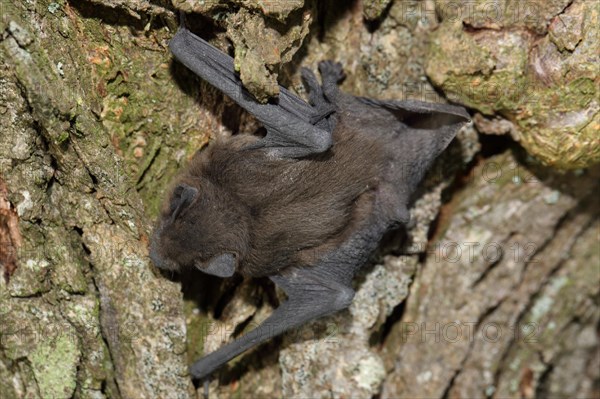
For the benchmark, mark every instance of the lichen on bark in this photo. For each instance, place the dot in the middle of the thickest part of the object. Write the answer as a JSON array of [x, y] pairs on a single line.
[[533, 63], [496, 294]]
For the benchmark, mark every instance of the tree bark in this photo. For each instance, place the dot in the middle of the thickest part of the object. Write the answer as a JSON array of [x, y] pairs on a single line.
[[493, 290]]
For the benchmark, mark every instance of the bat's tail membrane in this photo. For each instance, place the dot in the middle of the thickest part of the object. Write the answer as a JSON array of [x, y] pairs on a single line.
[[431, 125], [290, 132], [420, 132]]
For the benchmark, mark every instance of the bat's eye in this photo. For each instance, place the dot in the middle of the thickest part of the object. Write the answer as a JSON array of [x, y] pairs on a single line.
[[183, 196]]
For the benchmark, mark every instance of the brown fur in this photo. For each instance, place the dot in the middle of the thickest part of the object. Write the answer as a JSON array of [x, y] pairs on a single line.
[[273, 213]]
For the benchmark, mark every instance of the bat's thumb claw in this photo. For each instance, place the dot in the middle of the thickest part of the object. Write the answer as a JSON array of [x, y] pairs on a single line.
[[206, 382], [182, 20]]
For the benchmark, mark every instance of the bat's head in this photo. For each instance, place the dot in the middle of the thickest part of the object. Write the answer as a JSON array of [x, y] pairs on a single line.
[[200, 226]]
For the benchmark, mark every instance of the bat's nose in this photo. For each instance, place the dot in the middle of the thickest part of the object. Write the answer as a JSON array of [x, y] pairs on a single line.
[[158, 260], [161, 262], [155, 257]]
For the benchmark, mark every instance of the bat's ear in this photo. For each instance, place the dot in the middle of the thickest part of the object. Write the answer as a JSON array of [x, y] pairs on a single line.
[[183, 196], [431, 126], [427, 127], [220, 266]]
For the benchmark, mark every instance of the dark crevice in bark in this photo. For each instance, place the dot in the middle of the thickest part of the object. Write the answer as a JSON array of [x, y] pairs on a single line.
[[543, 389], [112, 383], [446, 393], [320, 20], [139, 182], [567, 216], [492, 145], [380, 337], [534, 296], [488, 312], [584, 205], [374, 25], [331, 12], [564, 10], [239, 329], [460, 368], [225, 296], [85, 248]]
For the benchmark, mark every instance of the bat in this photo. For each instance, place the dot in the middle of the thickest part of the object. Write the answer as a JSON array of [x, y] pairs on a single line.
[[304, 205]]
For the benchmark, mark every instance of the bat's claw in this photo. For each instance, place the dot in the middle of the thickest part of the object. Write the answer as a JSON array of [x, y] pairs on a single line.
[[310, 81], [182, 20], [201, 375]]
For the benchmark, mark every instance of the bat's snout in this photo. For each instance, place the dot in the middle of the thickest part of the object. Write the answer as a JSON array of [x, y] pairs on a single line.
[[162, 263], [158, 260]]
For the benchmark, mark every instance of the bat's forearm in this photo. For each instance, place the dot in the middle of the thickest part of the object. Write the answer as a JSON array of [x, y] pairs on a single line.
[[270, 328], [288, 122], [307, 300]]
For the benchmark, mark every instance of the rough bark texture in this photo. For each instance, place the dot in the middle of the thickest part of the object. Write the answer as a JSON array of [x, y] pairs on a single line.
[[493, 291], [534, 63], [506, 303]]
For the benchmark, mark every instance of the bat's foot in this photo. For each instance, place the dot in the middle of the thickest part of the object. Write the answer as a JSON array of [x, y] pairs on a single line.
[[312, 85], [321, 107], [331, 72]]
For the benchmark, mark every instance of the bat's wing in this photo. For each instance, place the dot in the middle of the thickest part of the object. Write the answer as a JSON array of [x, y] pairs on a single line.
[[290, 132]]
